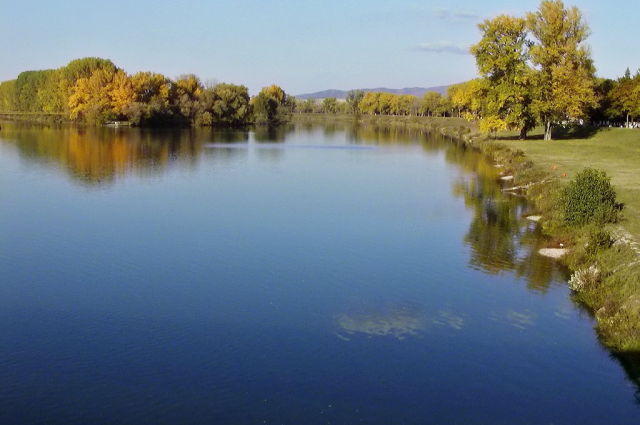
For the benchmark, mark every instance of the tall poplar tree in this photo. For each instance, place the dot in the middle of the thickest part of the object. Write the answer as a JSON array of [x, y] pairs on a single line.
[[501, 56], [564, 77]]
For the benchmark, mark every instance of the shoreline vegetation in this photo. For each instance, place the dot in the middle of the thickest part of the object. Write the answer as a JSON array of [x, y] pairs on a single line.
[[605, 271], [95, 91]]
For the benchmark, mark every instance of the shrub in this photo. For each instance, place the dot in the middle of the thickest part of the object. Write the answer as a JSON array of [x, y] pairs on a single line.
[[585, 278], [599, 240], [589, 198]]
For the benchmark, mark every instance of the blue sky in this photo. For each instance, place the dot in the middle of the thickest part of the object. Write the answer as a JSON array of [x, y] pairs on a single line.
[[303, 46]]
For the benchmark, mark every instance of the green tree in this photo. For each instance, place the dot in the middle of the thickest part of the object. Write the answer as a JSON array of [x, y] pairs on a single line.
[[232, 104], [184, 95], [330, 105], [8, 97], [430, 103], [272, 106], [354, 97], [308, 106], [625, 96], [564, 81], [501, 56]]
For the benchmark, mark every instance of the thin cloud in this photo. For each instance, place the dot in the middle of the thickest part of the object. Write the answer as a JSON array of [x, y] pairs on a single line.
[[455, 15], [443, 47]]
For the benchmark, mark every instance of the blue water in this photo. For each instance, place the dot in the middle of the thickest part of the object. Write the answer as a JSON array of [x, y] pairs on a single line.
[[317, 275]]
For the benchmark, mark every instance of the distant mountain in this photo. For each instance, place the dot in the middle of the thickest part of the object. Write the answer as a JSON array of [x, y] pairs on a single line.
[[342, 94]]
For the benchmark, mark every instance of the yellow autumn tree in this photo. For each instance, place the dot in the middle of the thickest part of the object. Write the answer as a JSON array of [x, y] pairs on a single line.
[[90, 99], [122, 92]]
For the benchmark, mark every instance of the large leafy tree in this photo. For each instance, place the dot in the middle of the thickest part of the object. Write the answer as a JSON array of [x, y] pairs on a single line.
[[537, 68], [564, 79], [501, 56], [272, 106]]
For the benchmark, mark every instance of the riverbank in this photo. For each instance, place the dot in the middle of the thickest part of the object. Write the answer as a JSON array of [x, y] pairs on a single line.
[[34, 117], [611, 289]]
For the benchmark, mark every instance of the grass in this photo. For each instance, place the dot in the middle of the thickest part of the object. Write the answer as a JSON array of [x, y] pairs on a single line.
[[614, 150]]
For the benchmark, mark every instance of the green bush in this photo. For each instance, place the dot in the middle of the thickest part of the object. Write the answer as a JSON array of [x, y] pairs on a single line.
[[599, 240], [589, 198]]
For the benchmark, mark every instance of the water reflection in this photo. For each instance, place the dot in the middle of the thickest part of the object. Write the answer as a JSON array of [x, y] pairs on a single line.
[[630, 362], [392, 321], [499, 238], [97, 155], [395, 321], [398, 326]]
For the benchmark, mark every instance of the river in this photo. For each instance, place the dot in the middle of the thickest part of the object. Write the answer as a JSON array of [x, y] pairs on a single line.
[[312, 274]]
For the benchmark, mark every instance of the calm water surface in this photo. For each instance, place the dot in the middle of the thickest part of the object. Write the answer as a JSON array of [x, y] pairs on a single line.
[[311, 275]]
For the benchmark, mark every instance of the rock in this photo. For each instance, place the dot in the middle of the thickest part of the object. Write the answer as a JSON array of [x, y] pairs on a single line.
[[535, 218], [553, 252]]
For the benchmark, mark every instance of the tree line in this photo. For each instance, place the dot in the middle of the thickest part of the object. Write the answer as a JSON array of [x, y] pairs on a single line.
[[94, 90], [379, 103], [535, 70]]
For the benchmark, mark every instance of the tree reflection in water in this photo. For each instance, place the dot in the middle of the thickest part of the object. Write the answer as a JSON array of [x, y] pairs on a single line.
[[100, 155], [500, 237]]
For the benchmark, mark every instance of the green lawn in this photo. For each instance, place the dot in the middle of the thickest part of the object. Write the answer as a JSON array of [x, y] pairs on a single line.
[[614, 150]]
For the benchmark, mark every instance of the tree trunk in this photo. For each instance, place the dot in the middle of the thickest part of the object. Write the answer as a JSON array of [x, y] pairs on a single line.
[[627, 120], [523, 133], [547, 130]]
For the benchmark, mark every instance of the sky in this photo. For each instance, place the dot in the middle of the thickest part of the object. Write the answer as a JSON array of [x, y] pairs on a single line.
[[303, 46]]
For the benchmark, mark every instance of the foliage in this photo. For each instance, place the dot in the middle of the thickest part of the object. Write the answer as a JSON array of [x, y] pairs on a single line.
[[272, 106], [502, 56], [330, 105], [468, 98], [564, 79], [534, 69], [492, 124], [589, 198], [373, 103], [599, 240], [308, 106], [431, 104], [354, 97], [94, 90], [585, 278], [8, 98], [226, 104]]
